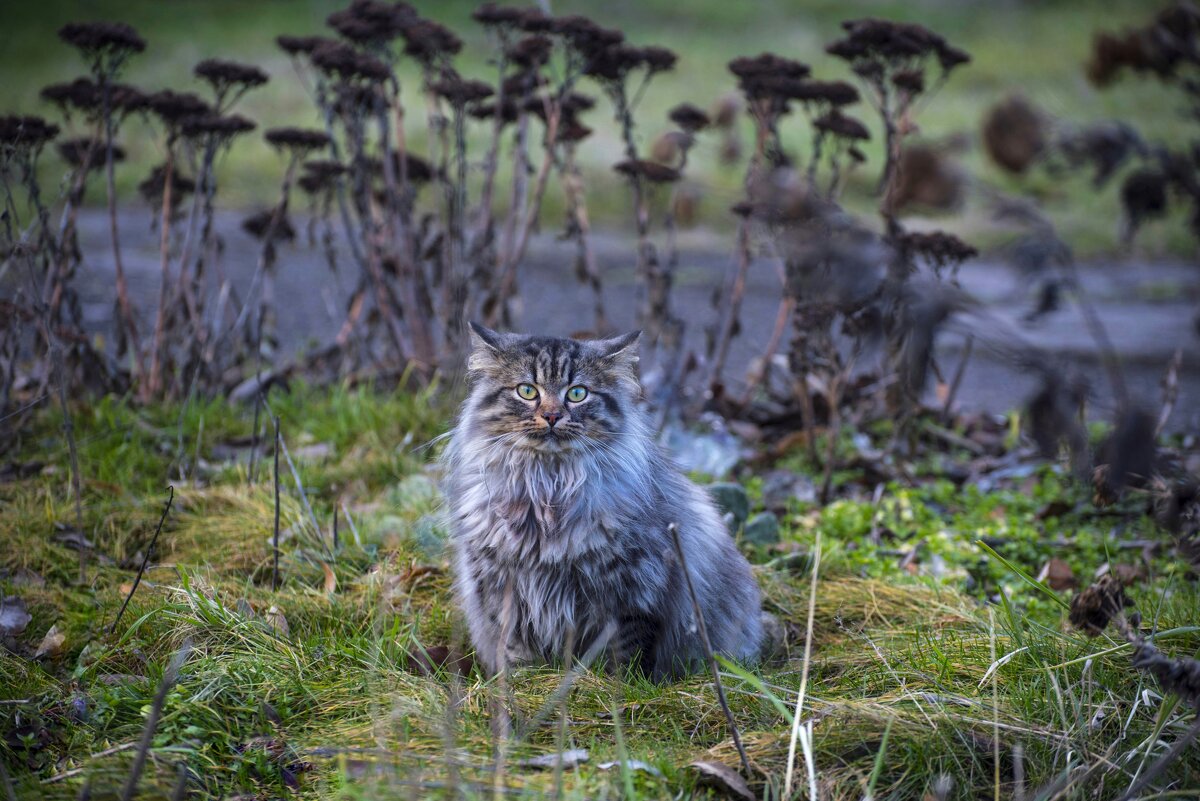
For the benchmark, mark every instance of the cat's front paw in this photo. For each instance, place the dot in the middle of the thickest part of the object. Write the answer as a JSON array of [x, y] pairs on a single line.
[[518, 655]]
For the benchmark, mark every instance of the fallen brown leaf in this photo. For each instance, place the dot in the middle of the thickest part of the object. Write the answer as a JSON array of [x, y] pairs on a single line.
[[52, 644], [277, 621], [428, 661], [722, 778], [1057, 575]]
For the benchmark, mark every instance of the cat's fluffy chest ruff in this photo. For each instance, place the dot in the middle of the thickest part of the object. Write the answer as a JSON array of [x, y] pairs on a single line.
[[546, 508], [543, 537]]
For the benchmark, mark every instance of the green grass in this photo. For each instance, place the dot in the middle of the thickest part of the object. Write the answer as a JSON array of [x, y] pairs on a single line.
[[331, 707], [1035, 48]]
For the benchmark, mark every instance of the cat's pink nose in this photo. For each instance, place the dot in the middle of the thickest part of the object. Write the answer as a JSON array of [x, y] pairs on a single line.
[[552, 417]]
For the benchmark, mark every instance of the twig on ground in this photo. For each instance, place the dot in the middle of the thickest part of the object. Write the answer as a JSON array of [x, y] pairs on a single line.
[[280, 444], [812, 611], [168, 681], [312, 516], [67, 774], [145, 559], [708, 651], [25, 408]]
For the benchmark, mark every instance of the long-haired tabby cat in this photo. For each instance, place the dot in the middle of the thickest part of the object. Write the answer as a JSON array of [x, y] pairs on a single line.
[[560, 501]]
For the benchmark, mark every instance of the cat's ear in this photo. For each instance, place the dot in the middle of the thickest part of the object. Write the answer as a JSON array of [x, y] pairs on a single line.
[[620, 352], [624, 346], [486, 345], [482, 336]]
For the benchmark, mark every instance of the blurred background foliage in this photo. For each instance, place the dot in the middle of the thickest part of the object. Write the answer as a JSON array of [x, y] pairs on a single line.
[[1035, 48]]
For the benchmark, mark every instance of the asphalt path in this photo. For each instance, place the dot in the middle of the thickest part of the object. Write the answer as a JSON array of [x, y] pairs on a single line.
[[1148, 309]]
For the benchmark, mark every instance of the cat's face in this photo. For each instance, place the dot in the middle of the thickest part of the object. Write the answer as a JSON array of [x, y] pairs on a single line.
[[550, 394]]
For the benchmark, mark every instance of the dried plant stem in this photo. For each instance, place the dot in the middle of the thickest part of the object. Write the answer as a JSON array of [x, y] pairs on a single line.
[[492, 161], [335, 527], [154, 386], [995, 707], [280, 444], [267, 255], [350, 522], [730, 308], [190, 291], [531, 210], [145, 559], [652, 303], [956, 382], [518, 198], [181, 782], [708, 651], [343, 202], [786, 307], [170, 676], [539, 192], [58, 369], [58, 279], [275, 538], [1170, 385], [808, 637], [585, 265], [399, 224], [891, 145], [1095, 326], [832, 432]]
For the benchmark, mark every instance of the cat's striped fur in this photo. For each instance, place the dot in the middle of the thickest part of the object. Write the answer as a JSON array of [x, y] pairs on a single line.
[[561, 532]]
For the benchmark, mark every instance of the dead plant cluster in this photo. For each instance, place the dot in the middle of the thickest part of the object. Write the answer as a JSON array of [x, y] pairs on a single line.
[[436, 238]]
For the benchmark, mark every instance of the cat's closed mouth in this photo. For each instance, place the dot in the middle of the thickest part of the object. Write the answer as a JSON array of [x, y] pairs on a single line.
[[551, 440]]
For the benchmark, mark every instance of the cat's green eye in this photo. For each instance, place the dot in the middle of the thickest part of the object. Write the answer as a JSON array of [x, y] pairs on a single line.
[[576, 394], [527, 391]]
